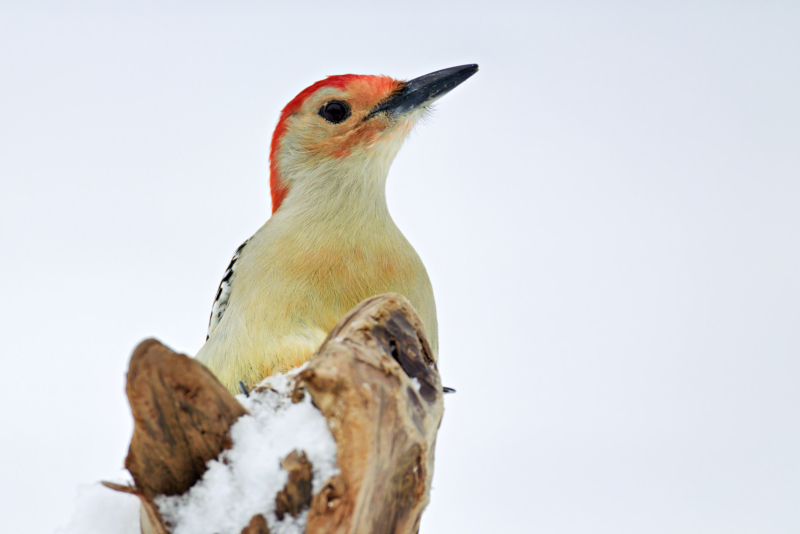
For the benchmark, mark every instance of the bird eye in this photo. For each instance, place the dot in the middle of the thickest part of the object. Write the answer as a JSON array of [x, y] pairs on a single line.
[[335, 111]]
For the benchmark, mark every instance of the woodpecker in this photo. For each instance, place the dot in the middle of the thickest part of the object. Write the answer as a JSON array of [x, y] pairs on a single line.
[[330, 242]]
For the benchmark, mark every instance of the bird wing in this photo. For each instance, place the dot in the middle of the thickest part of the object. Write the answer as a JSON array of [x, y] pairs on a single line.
[[224, 291]]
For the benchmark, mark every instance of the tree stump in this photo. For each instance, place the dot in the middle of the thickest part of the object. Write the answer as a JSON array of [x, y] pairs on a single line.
[[373, 379]]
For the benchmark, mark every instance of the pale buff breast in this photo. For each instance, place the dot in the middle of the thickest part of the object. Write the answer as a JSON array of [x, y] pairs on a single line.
[[299, 288]]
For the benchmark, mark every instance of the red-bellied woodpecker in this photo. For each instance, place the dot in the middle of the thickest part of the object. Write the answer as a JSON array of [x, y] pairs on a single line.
[[330, 242]]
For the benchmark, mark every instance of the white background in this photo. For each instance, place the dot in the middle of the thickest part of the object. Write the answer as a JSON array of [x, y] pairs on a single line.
[[608, 211]]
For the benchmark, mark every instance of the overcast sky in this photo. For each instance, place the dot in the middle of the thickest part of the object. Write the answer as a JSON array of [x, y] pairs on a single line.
[[608, 212]]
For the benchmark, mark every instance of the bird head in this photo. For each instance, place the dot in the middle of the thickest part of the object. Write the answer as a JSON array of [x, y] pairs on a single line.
[[343, 132]]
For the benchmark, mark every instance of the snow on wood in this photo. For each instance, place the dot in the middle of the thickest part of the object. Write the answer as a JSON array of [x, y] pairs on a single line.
[[343, 444]]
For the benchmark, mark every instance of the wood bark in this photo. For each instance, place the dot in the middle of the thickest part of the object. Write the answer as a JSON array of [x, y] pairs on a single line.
[[374, 380]]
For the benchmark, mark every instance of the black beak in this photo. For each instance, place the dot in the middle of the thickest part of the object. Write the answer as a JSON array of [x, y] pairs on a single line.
[[425, 90]]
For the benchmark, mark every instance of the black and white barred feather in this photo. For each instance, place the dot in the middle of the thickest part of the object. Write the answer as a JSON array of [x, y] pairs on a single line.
[[224, 292]]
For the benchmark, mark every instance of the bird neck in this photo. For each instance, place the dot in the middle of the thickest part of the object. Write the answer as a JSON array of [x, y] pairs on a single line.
[[338, 200]]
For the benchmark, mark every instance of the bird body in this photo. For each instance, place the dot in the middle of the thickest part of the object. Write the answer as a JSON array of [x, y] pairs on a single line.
[[331, 241]]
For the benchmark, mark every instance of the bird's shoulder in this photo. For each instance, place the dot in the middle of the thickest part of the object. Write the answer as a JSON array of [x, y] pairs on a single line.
[[224, 290]]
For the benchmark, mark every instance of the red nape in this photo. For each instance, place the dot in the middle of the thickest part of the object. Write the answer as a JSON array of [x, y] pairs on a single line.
[[277, 187]]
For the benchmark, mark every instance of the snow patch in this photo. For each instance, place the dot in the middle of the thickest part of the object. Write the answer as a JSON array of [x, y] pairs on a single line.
[[245, 479], [415, 383], [241, 483]]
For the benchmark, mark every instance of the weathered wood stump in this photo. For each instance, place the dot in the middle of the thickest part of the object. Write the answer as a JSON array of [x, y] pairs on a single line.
[[373, 379]]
